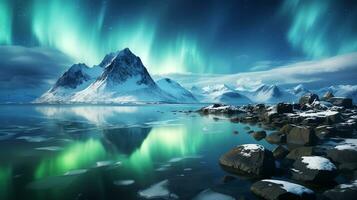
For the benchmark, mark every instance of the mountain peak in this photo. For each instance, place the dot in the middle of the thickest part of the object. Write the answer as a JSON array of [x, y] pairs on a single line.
[[124, 65], [73, 77]]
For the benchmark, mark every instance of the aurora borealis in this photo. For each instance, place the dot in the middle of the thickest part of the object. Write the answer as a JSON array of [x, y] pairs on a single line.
[[184, 36]]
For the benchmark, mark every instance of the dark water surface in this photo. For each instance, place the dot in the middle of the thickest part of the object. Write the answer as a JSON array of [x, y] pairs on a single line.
[[115, 152]]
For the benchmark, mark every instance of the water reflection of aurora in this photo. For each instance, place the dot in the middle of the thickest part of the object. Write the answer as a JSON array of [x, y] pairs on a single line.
[[161, 144]]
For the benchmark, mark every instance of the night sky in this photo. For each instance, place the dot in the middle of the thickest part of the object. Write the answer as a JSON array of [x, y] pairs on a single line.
[[185, 36]]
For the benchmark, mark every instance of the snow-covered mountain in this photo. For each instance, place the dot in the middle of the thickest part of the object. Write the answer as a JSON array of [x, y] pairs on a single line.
[[76, 78], [176, 90], [340, 91], [270, 94], [299, 90], [120, 78], [219, 93]]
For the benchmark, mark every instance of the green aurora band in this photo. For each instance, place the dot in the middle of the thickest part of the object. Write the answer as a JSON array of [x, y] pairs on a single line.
[[318, 30], [81, 36]]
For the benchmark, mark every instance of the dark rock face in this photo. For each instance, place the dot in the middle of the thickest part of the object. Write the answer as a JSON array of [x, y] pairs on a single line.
[[73, 77], [277, 190], [251, 159], [301, 135], [276, 138], [341, 101], [280, 152], [328, 95], [342, 192], [301, 151], [314, 169], [219, 109], [124, 66], [284, 108], [259, 135], [308, 98], [342, 156]]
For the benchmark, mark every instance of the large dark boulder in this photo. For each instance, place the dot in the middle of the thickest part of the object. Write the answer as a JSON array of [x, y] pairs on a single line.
[[281, 190], [284, 108], [250, 159], [342, 192], [259, 135], [301, 135], [280, 152], [315, 169], [341, 101], [308, 98], [276, 138], [343, 153], [301, 151]]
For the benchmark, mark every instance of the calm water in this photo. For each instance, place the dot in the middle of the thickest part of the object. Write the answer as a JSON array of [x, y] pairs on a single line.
[[114, 152]]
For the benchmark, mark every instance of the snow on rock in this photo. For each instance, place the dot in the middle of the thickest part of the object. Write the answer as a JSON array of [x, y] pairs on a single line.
[[158, 190], [318, 163], [248, 149], [212, 195], [347, 144], [326, 113], [290, 187], [353, 184]]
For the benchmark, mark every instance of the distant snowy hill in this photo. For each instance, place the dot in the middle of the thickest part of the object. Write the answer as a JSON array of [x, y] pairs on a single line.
[[176, 90], [219, 93], [270, 94]]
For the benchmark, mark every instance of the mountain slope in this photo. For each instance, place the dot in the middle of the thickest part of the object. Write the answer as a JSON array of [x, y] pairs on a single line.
[[219, 93], [176, 90], [76, 78], [270, 94]]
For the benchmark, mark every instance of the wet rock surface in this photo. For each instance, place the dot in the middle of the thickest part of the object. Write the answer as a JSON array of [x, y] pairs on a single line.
[[316, 144], [275, 189], [251, 159]]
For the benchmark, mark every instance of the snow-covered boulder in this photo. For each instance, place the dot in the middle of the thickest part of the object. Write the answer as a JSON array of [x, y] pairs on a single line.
[[315, 169], [344, 153], [270, 189], [219, 109], [252, 159], [342, 192]]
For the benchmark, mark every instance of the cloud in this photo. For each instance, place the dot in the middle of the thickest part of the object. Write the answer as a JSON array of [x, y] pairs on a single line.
[[332, 71], [29, 69]]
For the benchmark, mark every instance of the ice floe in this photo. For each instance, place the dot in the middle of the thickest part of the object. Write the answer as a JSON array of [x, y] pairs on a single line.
[[124, 182], [212, 195], [158, 190], [75, 172]]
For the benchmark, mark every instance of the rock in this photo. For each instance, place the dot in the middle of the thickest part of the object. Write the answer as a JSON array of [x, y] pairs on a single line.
[[219, 109], [252, 159], [328, 95], [280, 152], [235, 132], [301, 151], [341, 101], [276, 189], [324, 131], [315, 169], [276, 138], [342, 192], [301, 135], [308, 98], [259, 135], [286, 128], [344, 153], [284, 108]]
